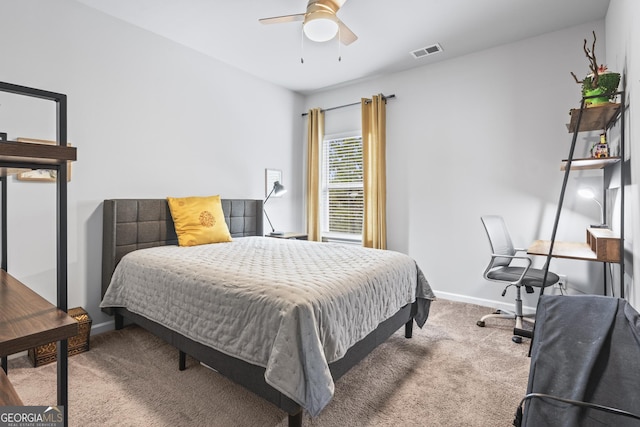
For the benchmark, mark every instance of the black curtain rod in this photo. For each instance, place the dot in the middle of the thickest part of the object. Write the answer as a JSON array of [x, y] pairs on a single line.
[[353, 103]]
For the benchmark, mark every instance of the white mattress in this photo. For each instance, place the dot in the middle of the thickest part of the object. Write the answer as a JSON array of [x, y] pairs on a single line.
[[292, 307]]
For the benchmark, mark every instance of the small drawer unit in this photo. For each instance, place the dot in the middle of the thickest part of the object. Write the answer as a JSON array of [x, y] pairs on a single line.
[[604, 243]]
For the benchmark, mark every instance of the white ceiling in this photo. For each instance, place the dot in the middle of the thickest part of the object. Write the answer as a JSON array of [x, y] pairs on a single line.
[[388, 31]]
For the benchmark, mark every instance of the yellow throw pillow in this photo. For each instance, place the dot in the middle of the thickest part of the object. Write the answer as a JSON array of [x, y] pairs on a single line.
[[198, 220]]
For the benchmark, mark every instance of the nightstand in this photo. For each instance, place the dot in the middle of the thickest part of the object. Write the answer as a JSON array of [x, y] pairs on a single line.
[[289, 235]]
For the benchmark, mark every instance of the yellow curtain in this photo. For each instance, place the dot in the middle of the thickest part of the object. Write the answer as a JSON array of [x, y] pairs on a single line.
[[315, 135], [374, 233]]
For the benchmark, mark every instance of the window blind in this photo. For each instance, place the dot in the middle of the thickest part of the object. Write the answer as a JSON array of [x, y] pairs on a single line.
[[342, 187]]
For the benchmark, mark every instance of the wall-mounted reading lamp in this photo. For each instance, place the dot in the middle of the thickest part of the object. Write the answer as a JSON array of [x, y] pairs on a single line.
[[587, 193], [277, 190]]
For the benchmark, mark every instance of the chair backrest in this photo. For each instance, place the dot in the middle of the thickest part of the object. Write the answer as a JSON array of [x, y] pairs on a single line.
[[499, 239]]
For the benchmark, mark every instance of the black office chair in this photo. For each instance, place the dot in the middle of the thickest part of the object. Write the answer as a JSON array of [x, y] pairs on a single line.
[[500, 270]]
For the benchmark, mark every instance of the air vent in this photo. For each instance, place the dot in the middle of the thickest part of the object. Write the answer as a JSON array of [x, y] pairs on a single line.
[[426, 51]]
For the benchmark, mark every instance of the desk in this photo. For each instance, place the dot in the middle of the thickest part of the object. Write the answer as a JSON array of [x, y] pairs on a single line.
[[601, 245], [569, 250]]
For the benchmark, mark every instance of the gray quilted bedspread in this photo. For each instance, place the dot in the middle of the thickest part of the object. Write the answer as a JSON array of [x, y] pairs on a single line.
[[292, 307]]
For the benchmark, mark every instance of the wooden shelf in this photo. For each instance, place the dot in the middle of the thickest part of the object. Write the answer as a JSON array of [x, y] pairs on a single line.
[[32, 154], [28, 320], [590, 163], [8, 395], [593, 118]]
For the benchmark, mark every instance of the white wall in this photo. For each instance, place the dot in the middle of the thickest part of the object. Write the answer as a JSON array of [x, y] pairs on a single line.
[[482, 134], [623, 55], [150, 118]]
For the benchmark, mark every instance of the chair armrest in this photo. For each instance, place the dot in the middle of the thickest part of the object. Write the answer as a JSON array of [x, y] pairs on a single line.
[[524, 272], [526, 258]]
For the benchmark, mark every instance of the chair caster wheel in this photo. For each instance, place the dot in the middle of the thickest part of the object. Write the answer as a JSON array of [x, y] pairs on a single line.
[[480, 323], [516, 339]]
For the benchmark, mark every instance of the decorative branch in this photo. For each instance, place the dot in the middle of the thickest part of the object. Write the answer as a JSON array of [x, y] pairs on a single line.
[[593, 62], [576, 78]]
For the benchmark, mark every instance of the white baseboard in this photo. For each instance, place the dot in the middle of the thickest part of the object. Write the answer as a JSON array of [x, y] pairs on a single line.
[[501, 305], [103, 327], [15, 356]]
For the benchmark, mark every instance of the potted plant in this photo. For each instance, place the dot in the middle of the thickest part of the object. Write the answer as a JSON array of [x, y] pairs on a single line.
[[599, 82]]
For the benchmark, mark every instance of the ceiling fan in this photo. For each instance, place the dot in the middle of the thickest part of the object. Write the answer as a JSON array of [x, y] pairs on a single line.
[[320, 22]]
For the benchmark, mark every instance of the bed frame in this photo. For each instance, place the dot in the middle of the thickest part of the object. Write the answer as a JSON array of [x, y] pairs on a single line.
[[130, 224]]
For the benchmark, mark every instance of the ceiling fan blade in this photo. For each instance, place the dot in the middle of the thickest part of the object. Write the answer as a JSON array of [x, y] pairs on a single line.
[[282, 19], [346, 35]]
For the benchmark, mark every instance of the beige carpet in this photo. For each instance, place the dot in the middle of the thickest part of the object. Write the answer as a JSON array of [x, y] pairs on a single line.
[[451, 373]]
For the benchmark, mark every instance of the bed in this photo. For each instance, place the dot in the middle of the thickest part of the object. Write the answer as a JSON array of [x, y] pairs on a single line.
[[283, 318]]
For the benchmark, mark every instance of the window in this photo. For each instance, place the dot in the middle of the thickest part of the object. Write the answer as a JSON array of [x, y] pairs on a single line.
[[342, 194]]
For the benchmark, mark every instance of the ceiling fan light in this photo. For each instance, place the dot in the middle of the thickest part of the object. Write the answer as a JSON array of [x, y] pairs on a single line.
[[320, 29]]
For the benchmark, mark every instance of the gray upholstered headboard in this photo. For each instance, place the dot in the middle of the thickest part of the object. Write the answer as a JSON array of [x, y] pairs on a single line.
[[130, 224]]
